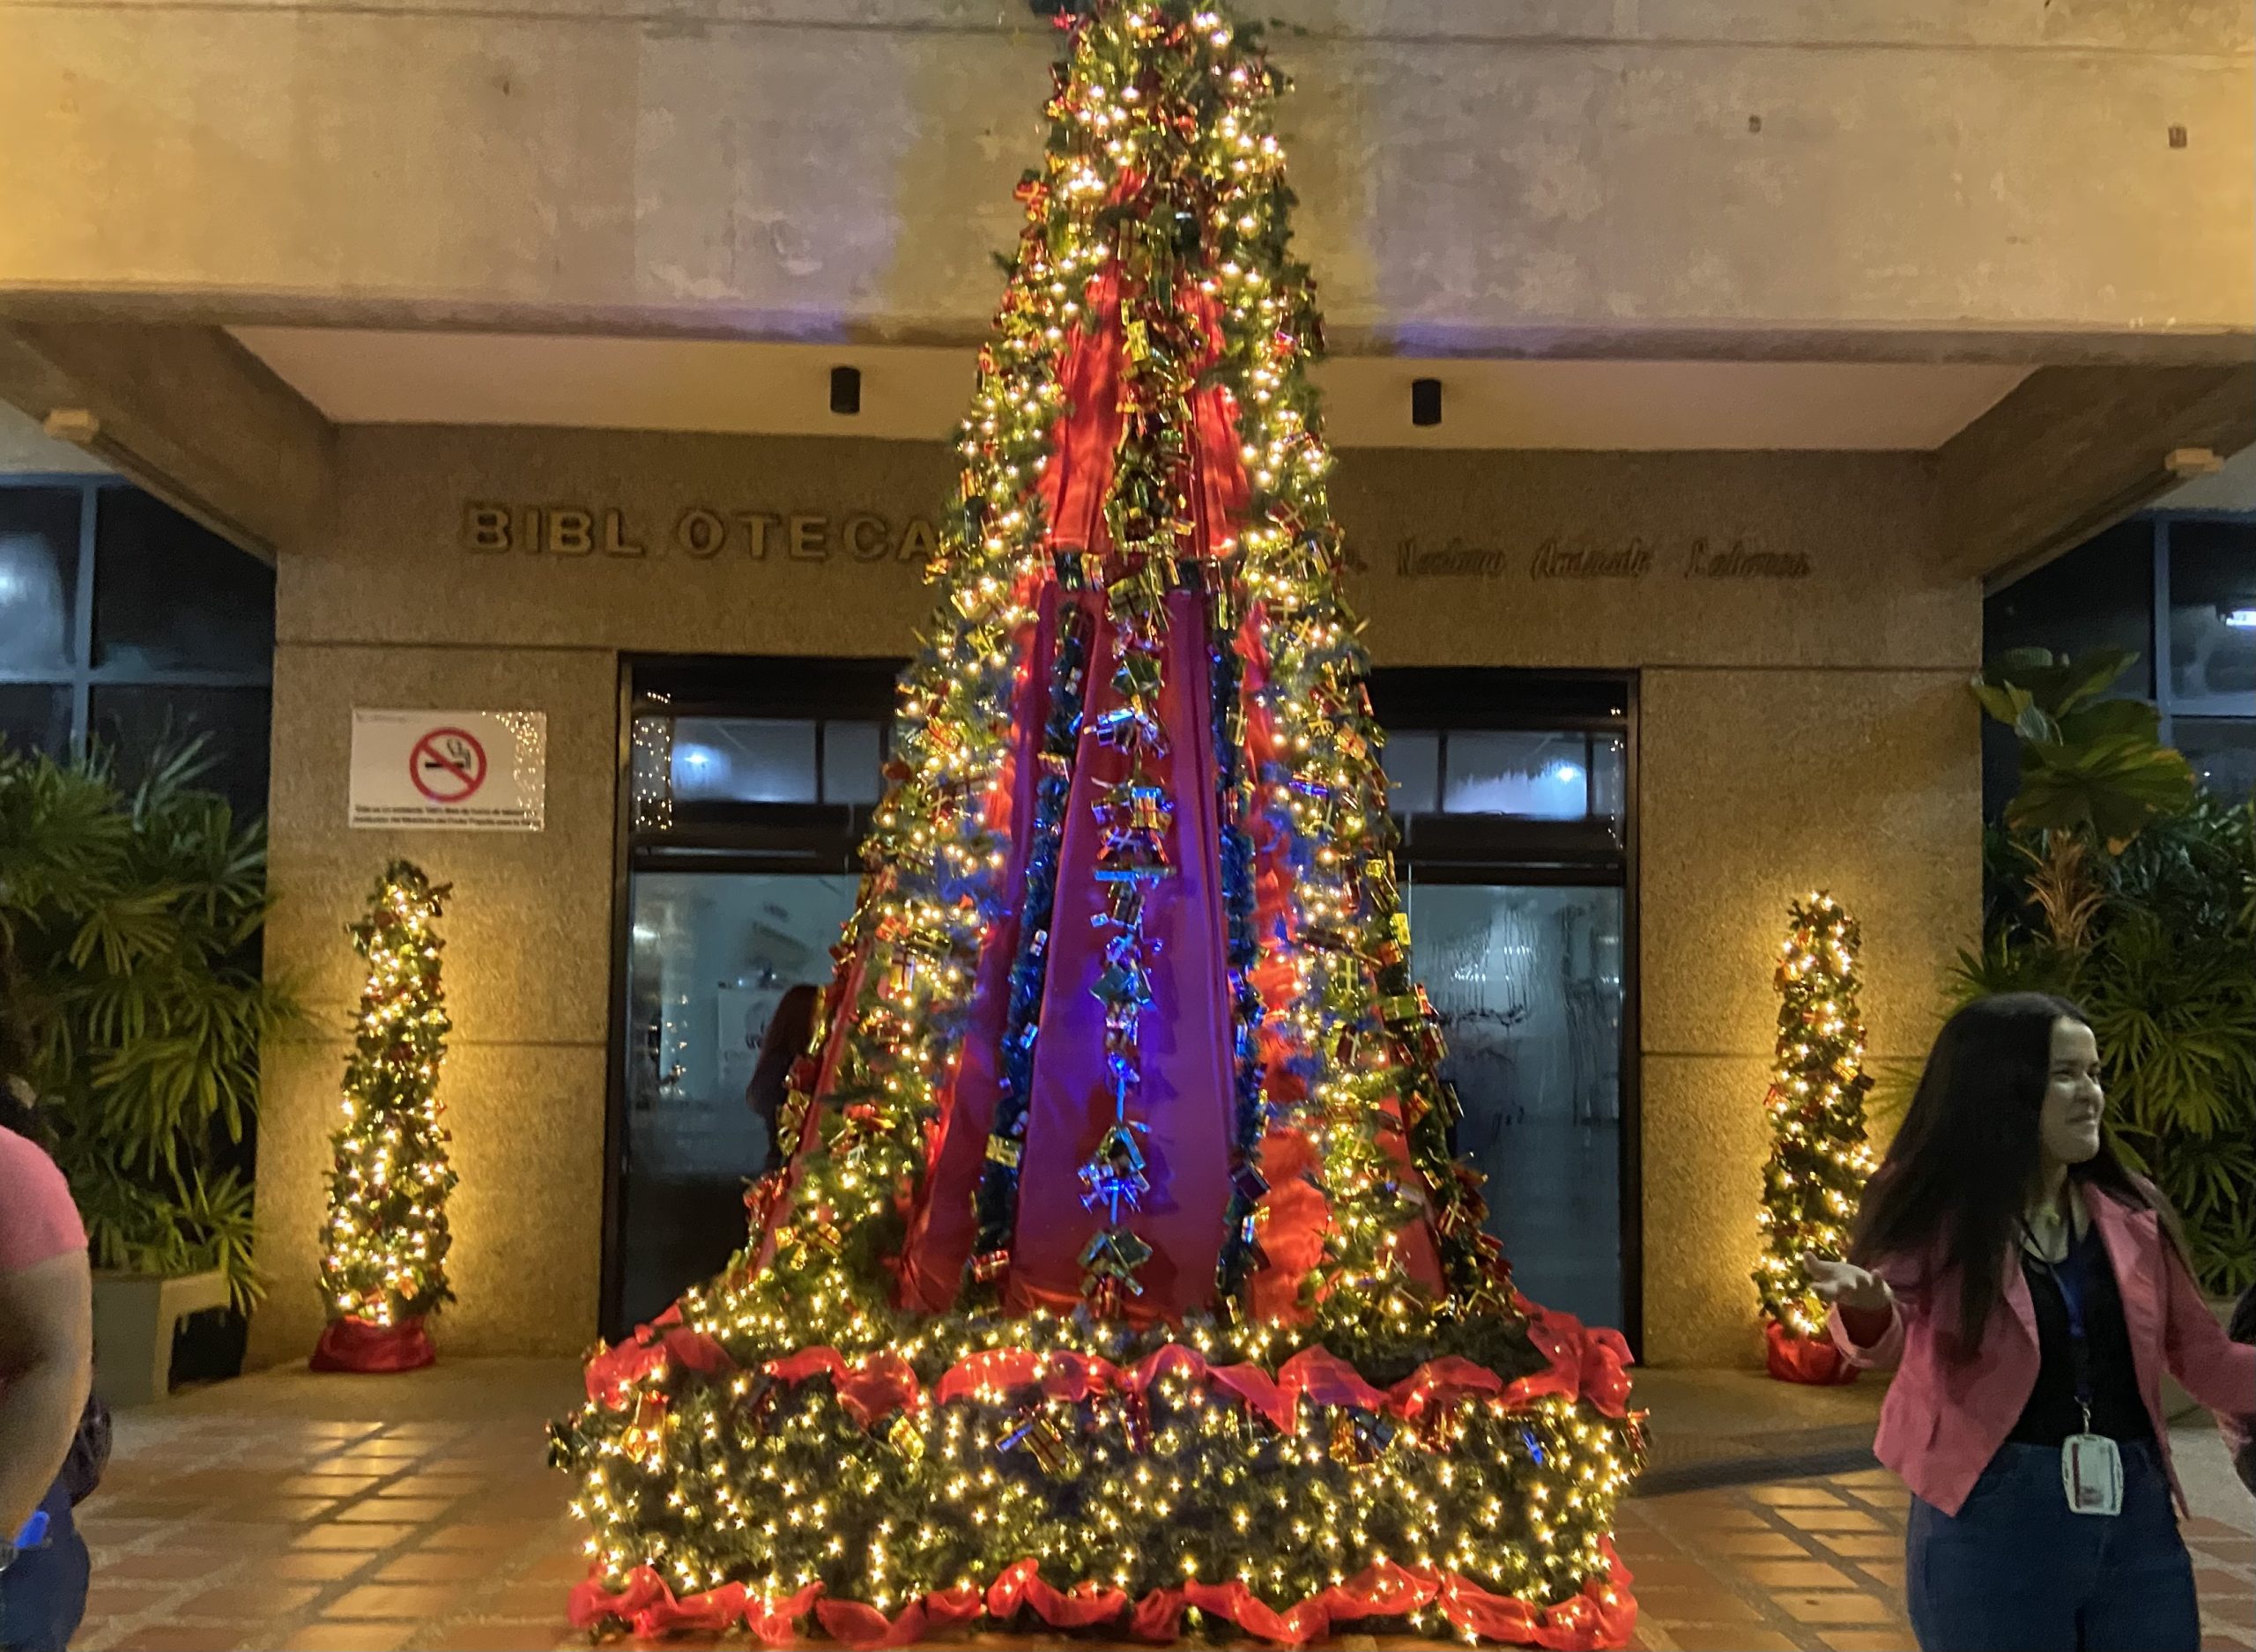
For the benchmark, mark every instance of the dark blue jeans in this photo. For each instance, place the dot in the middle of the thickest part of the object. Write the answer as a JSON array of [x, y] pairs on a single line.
[[43, 1594], [2015, 1570]]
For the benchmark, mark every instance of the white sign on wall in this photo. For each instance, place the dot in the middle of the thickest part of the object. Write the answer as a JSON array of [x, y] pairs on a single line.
[[473, 771]]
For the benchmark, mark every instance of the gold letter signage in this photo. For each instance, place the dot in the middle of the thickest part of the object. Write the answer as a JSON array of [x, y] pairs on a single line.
[[700, 532]]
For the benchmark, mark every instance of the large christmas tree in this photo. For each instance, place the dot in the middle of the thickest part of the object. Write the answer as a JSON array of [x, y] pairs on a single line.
[[1120, 1269]]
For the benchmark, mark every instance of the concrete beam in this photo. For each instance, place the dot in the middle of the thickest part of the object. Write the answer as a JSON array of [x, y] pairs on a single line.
[[186, 412], [2074, 450], [1477, 179]]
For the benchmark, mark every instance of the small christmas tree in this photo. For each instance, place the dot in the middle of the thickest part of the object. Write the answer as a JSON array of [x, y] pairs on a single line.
[[384, 1246], [1818, 1160]]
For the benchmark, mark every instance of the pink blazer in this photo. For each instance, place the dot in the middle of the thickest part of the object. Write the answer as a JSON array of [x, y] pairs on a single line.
[[1942, 1423]]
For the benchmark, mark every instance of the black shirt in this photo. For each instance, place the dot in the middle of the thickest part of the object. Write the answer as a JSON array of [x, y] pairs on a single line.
[[2051, 1414]]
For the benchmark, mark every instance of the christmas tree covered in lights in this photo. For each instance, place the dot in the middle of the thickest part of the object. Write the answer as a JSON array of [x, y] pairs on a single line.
[[1818, 1160], [1119, 1273], [384, 1243]]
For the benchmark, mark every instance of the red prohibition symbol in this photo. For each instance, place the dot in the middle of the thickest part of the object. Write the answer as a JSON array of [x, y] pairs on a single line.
[[447, 766]]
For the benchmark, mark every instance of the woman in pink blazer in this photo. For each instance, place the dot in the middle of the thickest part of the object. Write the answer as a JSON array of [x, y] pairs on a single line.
[[2032, 1293]]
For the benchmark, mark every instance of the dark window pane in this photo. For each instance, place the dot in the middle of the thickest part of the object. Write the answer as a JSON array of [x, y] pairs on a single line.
[[2213, 618], [171, 596], [743, 759], [2098, 596], [851, 761], [134, 724], [1412, 759], [2223, 751], [36, 717], [39, 578], [1531, 777]]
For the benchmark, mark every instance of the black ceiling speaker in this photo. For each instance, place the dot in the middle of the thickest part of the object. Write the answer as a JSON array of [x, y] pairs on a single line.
[[1425, 402], [846, 391]]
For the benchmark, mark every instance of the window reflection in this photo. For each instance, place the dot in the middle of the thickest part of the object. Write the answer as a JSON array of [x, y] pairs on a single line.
[[39, 577], [710, 955], [1528, 985]]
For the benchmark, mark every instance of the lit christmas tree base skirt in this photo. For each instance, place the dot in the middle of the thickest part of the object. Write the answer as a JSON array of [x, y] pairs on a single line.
[[1814, 1361], [358, 1345], [1018, 1479]]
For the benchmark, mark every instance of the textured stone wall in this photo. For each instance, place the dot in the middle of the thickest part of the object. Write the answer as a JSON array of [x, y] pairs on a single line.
[[1797, 728], [1475, 176]]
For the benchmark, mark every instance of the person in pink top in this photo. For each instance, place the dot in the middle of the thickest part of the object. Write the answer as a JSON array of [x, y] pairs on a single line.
[[2032, 1293], [45, 1364]]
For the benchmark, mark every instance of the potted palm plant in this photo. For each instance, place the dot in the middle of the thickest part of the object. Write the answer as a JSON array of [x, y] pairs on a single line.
[[131, 916]]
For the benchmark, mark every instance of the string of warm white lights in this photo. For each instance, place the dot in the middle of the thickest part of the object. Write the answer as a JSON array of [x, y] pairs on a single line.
[[384, 1249], [1819, 1157]]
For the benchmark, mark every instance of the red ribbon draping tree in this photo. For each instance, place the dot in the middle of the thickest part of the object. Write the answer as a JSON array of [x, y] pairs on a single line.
[[1819, 1158], [1120, 1269], [384, 1241]]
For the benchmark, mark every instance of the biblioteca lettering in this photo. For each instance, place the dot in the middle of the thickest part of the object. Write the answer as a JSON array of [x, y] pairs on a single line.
[[699, 532], [1579, 558]]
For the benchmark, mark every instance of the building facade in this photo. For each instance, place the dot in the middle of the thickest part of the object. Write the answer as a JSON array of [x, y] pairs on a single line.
[[1771, 339]]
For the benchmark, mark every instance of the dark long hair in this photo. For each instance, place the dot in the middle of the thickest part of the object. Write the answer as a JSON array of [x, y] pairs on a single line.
[[1956, 1182], [788, 1030]]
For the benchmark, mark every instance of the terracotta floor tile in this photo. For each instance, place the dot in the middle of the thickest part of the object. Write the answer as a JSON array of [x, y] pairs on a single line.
[[1832, 1607], [315, 1566], [1792, 1574], [1870, 1640], [1830, 1519], [330, 1485], [1794, 1495], [112, 1596], [493, 1637], [533, 1600], [180, 1637], [1863, 1545], [1677, 1574], [1713, 1604], [154, 1565], [2232, 1552], [567, 1566], [1778, 1546], [397, 1601], [395, 1510], [2236, 1607], [333, 1636], [355, 1536], [1705, 1639], [2202, 1526], [1887, 1574], [2220, 1641], [255, 1598], [508, 1534], [1712, 1517], [426, 1484], [439, 1565]]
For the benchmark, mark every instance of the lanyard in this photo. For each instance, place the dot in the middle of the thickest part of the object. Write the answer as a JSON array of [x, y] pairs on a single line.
[[2068, 1278]]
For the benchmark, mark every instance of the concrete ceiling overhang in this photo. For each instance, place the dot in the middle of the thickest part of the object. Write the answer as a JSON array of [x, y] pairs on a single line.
[[917, 394]]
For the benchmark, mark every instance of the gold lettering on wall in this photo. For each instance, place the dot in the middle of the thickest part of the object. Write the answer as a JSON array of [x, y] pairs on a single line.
[[701, 532]]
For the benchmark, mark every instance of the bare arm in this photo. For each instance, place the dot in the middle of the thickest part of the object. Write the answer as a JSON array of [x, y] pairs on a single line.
[[47, 1361]]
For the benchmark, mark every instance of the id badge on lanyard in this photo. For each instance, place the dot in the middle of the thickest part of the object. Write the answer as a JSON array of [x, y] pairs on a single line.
[[2091, 1465]]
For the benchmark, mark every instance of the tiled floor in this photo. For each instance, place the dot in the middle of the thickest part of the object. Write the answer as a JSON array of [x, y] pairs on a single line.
[[251, 1516]]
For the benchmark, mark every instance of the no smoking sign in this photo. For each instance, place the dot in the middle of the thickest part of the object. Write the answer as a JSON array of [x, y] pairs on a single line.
[[477, 771], [448, 765]]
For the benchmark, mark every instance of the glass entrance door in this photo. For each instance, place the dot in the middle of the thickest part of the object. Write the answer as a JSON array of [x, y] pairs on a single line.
[[1527, 980], [1514, 795], [749, 785], [710, 955]]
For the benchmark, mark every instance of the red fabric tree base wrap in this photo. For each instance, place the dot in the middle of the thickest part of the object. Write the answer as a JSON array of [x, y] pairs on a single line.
[[1602, 1615], [358, 1345], [1814, 1361]]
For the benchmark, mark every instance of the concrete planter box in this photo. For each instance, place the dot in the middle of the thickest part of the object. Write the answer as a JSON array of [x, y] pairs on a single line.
[[135, 1316]]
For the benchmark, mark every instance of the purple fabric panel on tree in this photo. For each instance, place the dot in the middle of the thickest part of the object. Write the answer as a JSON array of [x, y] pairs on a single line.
[[945, 1223], [1185, 1099]]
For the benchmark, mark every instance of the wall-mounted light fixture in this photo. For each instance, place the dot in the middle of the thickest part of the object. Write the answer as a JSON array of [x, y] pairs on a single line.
[[1426, 402], [2241, 618], [846, 391]]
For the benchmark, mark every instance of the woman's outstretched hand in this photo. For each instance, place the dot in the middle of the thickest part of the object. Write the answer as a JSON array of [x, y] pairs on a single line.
[[1845, 1285]]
